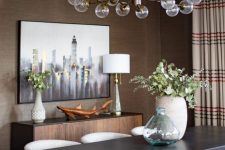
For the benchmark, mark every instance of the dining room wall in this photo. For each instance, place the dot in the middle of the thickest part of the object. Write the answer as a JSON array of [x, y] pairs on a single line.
[[176, 44], [140, 38]]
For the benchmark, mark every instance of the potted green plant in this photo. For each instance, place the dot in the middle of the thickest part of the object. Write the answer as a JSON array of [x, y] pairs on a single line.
[[39, 83], [174, 89]]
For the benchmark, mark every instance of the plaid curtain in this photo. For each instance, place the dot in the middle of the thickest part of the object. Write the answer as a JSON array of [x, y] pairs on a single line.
[[208, 39]]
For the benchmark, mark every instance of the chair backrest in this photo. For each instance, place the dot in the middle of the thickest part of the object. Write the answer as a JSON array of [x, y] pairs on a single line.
[[47, 144], [137, 131], [102, 136]]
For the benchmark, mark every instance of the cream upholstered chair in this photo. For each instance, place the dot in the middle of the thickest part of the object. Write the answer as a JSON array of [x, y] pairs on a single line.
[[102, 136], [48, 144], [137, 131]]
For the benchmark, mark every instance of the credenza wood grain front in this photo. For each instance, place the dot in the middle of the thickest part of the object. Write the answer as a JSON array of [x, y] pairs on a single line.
[[49, 132], [25, 132]]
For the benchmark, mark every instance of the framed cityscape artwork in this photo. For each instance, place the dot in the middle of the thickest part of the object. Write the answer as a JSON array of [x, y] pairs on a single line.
[[72, 52]]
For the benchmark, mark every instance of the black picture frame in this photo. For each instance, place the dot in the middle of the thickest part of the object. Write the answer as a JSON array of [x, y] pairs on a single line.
[[27, 88]]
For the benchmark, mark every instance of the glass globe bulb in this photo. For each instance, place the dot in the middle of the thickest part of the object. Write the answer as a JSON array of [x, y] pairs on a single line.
[[168, 4], [71, 2], [122, 9], [101, 10], [113, 2], [81, 5], [185, 7], [141, 12], [173, 12], [195, 2]]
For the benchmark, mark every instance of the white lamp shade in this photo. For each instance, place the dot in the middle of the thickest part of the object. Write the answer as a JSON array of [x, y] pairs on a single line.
[[116, 63]]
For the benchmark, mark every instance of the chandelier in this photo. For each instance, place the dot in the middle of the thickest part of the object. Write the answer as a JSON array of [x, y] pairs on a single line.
[[122, 7]]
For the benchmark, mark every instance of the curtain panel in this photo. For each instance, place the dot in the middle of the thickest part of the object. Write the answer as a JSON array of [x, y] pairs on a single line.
[[208, 40]]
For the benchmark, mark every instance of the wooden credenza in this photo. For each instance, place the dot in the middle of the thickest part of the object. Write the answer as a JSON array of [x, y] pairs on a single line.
[[59, 128]]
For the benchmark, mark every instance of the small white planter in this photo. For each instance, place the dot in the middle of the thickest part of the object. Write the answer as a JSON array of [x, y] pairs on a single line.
[[38, 111], [176, 109]]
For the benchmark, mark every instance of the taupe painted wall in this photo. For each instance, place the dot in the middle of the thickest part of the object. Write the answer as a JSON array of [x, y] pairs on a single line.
[[176, 44], [140, 38]]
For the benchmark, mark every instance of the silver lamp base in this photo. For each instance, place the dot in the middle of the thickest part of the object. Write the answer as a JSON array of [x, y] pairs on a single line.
[[116, 106], [118, 113]]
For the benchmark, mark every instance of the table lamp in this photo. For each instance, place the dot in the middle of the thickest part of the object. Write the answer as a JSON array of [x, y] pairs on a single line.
[[116, 64]]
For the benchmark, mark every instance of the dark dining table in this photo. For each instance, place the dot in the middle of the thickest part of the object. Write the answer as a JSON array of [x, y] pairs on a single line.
[[195, 138]]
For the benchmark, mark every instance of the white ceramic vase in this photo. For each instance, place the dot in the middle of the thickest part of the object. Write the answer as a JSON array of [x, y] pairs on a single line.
[[176, 109], [38, 111]]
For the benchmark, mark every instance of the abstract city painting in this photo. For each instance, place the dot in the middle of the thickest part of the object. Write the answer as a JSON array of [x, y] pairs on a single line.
[[72, 52]]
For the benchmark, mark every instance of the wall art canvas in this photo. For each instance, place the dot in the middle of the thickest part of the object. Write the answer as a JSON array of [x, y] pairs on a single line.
[[72, 52]]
